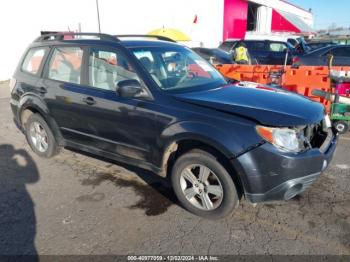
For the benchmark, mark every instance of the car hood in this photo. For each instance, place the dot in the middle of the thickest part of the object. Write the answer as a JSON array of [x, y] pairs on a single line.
[[268, 106]]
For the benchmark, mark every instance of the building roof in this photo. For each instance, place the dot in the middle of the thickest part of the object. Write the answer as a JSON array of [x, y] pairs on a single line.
[[297, 22], [286, 1]]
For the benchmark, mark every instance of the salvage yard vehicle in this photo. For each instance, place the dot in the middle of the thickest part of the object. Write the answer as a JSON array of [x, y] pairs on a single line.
[[214, 55], [158, 105], [264, 52], [319, 44], [320, 57]]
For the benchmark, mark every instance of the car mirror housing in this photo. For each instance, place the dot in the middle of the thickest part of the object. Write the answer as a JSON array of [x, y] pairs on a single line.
[[129, 88]]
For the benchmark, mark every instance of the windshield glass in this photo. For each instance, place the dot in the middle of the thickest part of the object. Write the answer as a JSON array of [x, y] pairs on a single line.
[[178, 68]]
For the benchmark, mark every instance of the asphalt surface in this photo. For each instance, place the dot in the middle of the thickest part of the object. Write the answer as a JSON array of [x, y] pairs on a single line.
[[76, 204]]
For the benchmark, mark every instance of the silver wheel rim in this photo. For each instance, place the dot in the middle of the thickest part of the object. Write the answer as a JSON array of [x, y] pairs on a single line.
[[38, 136], [201, 187], [340, 127]]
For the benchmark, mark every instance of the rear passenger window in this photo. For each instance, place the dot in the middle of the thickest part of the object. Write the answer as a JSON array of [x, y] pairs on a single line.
[[65, 64], [33, 60], [278, 47], [107, 68]]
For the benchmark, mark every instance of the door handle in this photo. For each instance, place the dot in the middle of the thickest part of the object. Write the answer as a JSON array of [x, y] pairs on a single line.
[[89, 100], [42, 90]]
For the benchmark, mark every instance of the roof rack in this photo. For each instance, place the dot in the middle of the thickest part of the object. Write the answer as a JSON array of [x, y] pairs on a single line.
[[51, 36], [164, 38]]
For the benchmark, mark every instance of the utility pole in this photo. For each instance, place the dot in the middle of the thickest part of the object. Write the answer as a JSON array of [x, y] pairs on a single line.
[[98, 17]]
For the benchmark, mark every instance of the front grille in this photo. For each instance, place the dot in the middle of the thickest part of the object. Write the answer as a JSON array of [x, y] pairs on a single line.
[[318, 135]]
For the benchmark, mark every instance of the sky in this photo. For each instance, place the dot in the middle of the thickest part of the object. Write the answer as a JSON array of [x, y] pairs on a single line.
[[327, 12], [117, 17]]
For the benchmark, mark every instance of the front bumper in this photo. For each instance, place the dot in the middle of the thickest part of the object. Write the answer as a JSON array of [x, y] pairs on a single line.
[[267, 173]]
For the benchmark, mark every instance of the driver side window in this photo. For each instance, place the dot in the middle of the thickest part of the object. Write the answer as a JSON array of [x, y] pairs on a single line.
[[107, 69]]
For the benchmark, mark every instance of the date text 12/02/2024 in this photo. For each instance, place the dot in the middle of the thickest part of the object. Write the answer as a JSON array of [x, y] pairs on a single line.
[[172, 258]]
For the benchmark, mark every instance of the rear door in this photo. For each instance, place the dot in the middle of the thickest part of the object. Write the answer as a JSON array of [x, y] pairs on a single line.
[[277, 52], [258, 52], [62, 75]]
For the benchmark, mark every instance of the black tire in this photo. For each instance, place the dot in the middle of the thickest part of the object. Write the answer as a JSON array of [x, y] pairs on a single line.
[[199, 157], [341, 126], [52, 147]]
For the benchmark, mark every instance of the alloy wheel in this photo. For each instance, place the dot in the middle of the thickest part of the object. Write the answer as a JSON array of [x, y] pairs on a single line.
[[201, 187], [38, 137]]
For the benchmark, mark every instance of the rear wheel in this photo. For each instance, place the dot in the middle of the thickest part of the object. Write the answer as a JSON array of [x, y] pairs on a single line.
[[203, 186], [40, 137], [341, 126]]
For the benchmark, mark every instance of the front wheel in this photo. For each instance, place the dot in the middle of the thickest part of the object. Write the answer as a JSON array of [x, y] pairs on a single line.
[[203, 186], [341, 126]]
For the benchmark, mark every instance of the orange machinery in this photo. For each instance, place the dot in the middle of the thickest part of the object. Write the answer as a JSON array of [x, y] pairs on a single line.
[[302, 80]]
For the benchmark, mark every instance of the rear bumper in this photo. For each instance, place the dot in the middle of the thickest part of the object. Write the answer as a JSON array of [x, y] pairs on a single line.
[[14, 109], [268, 174], [18, 125]]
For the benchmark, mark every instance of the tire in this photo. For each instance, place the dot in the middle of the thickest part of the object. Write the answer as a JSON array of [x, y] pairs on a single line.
[[341, 126], [218, 179], [48, 147]]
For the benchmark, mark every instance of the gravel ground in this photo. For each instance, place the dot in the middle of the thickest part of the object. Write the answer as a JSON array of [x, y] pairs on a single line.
[[76, 204]]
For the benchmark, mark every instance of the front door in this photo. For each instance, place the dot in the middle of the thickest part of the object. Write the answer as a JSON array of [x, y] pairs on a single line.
[[110, 123]]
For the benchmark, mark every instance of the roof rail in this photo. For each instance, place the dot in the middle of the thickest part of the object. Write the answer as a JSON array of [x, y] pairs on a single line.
[[47, 36], [159, 37]]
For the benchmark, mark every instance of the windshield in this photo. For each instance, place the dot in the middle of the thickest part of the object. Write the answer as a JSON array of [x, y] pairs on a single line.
[[227, 45], [178, 68]]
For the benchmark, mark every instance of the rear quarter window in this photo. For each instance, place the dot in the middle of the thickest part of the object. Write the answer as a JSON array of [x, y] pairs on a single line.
[[33, 60]]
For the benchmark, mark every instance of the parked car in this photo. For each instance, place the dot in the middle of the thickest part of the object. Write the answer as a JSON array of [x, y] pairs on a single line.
[[159, 106], [319, 44], [214, 55], [264, 51], [296, 41], [320, 57]]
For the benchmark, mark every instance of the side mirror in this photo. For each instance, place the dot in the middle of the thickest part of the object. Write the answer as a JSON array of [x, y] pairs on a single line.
[[129, 88]]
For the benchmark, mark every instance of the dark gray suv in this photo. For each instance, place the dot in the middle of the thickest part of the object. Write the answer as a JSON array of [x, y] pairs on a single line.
[[157, 105]]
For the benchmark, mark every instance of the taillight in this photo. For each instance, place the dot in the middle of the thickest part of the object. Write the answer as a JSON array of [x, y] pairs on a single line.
[[13, 82], [295, 60]]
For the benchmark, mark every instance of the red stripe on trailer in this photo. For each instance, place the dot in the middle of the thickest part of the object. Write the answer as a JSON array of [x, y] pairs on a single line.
[[281, 24]]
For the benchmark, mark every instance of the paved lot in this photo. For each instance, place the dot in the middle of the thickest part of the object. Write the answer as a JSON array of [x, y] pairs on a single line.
[[75, 204]]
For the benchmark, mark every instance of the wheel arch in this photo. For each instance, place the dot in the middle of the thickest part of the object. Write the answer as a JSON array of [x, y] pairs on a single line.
[[184, 144], [33, 105]]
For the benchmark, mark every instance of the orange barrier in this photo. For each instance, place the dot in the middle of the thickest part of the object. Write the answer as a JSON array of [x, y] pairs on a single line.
[[302, 80]]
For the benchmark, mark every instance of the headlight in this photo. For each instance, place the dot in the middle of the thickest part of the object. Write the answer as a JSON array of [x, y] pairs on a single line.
[[286, 139]]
